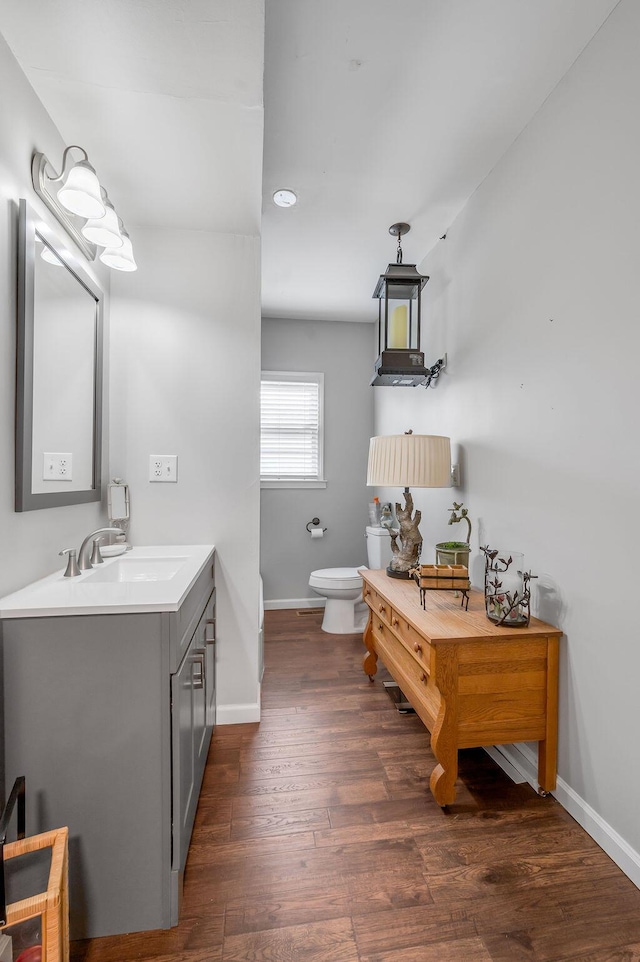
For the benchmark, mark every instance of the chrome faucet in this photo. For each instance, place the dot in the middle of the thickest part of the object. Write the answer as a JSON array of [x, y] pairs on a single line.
[[84, 561]]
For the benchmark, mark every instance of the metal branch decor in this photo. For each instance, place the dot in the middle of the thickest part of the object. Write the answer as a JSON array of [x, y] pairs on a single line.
[[507, 593]]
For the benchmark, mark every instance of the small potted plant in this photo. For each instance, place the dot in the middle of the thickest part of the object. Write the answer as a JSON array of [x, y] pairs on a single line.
[[455, 552]]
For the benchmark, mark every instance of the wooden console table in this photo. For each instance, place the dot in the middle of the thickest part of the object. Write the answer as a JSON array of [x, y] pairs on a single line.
[[471, 682]]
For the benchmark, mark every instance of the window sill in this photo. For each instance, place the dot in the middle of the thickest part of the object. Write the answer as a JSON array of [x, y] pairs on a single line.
[[291, 483]]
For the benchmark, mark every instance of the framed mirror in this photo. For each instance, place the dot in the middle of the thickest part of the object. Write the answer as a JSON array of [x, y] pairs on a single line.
[[59, 372]]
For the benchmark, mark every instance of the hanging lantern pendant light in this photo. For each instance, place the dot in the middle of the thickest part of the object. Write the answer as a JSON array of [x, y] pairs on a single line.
[[400, 362]]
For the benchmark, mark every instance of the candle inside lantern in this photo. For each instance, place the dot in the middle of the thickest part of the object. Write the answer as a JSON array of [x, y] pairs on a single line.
[[398, 327]]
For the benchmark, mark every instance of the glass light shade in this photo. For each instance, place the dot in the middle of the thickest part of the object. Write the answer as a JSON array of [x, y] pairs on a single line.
[[120, 258], [80, 192], [399, 308], [409, 461], [104, 231]]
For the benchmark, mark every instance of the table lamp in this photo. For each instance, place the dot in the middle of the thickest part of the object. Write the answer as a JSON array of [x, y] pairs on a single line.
[[408, 461]]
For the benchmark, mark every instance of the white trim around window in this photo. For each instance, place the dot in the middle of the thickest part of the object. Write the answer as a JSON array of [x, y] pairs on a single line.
[[292, 429]]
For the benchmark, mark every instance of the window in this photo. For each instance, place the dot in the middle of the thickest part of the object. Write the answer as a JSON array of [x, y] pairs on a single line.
[[291, 429]]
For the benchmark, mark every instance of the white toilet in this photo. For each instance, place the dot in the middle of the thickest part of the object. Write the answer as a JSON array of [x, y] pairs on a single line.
[[345, 612]]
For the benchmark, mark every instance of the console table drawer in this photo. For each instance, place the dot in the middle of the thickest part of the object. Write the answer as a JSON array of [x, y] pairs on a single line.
[[413, 641], [410, 675], [379, 605]]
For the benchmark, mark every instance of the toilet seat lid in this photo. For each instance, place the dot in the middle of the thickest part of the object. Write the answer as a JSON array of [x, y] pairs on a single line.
[[336, 578]]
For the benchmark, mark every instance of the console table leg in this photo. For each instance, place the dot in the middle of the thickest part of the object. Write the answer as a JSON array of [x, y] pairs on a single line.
[[370, 662], [443, 785], [443, 737]]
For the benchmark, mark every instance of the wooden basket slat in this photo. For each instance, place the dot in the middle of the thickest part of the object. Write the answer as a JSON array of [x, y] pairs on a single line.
[[443, 576], [53, 904]]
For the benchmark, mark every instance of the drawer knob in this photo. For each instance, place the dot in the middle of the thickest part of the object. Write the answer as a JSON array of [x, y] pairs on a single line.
[[417, 647], [423, 677], [395, 622], [367, 593], [379, 626], [381, 608]]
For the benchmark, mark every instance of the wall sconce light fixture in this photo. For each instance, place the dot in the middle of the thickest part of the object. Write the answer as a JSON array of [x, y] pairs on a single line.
[[82, 206]]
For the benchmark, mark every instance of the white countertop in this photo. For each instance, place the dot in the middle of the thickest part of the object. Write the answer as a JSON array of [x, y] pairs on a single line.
[[152, 584]]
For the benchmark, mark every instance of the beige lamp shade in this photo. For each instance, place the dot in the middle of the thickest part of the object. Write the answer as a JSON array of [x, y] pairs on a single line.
[[409, 461]]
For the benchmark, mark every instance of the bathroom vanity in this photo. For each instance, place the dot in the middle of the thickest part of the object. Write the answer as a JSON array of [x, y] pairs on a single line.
[[109, 687]]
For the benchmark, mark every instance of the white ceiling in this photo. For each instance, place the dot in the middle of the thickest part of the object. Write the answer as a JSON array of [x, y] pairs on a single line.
[[165, 95], [376, 111]]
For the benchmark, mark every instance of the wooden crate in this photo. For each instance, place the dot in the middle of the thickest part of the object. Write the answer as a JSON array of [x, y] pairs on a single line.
[[443, 577], [53, 904]]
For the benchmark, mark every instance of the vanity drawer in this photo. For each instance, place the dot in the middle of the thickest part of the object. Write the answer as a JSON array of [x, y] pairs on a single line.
[[205, 633], [183, 623]]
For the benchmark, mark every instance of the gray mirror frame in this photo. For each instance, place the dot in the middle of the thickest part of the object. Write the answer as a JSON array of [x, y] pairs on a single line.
[[26, 500]]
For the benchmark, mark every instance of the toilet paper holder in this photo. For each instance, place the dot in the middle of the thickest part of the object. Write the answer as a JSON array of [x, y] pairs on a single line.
[[315, 522]]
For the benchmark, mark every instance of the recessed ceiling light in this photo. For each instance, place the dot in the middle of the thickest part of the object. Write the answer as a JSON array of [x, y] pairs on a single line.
[[284, 198]]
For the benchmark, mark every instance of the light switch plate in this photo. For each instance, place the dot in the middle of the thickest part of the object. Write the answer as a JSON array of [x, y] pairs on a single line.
[[163, 467], [57, 466]]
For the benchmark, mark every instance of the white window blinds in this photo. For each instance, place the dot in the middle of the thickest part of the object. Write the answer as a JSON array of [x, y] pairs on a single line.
[[291, 426]]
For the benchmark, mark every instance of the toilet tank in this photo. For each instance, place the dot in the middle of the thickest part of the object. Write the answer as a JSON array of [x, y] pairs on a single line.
[[378, 547]]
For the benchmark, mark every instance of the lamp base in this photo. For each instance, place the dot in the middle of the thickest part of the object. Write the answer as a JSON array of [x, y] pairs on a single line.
[[392, 573], [406, 544]]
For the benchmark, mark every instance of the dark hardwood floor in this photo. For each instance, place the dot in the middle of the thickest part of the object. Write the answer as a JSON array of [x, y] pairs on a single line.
[[317, 840]]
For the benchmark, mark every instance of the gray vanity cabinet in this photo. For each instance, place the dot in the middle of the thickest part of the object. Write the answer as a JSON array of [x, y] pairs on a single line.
[[193, 710], [110, 716]]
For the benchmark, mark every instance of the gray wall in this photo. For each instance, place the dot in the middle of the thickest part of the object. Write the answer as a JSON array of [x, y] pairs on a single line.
[[345, 354], [534, 297], [174, 392], [31, 540]]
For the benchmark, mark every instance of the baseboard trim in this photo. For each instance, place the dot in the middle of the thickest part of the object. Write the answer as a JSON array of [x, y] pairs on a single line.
[[294, 603], [237, 714], [497, 753], [521, 758]]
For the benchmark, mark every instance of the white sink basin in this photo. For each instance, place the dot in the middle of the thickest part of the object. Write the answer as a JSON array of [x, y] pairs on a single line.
[[147, 578], [137, 569]]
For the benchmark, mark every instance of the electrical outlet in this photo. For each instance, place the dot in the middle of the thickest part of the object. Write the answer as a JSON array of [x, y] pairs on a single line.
[[57, 466], [455, 475], [163, 467]]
